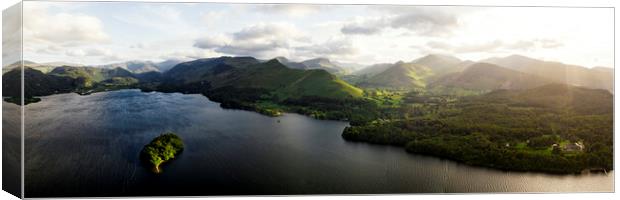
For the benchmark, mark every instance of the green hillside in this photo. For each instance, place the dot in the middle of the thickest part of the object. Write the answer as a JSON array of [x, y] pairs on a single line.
[[269, 88], [82, 80], [372, 70], [441, 64], [400, 76], [89, 76], [201, 69], [557, 97], [36, 83], [506, 129], [285, 82]]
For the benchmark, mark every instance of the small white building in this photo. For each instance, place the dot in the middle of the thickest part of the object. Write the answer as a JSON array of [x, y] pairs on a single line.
[[577, 146]]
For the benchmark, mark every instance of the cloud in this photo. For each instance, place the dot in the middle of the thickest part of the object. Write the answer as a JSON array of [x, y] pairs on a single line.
[[50, 49], [295, 10], [98, 52], [66, 29], [271, 40], [189, 54], [549, 43], [11, 35], [426, 22], [211, 42], [261, 50], [420, 20], [352, 29], [260, 40], [75, 53], [330, 48], [495, 46], [138, 45], [271, 30], [101, 53], [489, 46], [112, 58]]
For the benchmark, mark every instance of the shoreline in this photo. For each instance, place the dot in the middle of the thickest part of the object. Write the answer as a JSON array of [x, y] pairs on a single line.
[[253, 109], [587, 171]]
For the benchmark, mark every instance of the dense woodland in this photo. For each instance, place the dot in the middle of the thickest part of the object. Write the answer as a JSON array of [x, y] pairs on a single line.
[[486, 132]]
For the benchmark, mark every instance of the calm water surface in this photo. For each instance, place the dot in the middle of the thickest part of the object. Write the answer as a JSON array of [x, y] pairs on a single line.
[[89, 146]]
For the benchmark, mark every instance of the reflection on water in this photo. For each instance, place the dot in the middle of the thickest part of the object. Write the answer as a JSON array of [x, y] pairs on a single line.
[[89, 146], [11, 149]]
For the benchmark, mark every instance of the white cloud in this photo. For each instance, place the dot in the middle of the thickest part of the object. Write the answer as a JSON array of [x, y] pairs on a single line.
[[420, 20], [211, 42], [295, 10], [275, 39], [263, 40], [363, 33], [332, 48], [65, 29], [268, 31], [493, 46], [369, 27], [101, 54], [11, 35], [98, 52]]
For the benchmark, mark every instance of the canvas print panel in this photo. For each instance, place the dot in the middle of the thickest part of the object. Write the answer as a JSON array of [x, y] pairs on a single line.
[[12, 93], [195, 99]]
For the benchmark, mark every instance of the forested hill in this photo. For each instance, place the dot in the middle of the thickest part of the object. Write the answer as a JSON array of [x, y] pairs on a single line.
[[248, 73], [557, 97], [267, 87], [538, 129]]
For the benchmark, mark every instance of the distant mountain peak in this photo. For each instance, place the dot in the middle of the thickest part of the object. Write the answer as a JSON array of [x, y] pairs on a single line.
[[557, 71], [282, 58], [438, 56], [273, 61], [517, 56], [319, 60], [486, 76]]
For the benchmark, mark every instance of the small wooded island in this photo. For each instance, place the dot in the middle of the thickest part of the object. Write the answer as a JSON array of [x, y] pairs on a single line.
[[161, 149]]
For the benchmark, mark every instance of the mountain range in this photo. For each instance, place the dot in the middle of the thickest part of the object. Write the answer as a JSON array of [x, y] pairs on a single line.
[[320, 76], [485, 76], [598, 77], [144, 66], [132, 66], [320, 63], [43, 67], [250, 73], [511, 72]]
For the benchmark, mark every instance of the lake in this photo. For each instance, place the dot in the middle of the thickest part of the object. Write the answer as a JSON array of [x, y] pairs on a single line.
[[89, 146]]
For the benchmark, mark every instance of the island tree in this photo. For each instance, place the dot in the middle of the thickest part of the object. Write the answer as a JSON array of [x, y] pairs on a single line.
[[161, 149]]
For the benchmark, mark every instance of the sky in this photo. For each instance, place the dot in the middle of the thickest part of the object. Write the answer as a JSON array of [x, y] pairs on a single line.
[[94, 33]]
